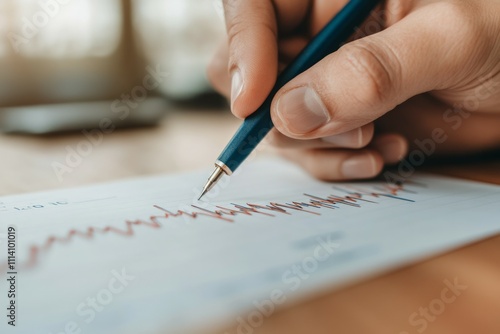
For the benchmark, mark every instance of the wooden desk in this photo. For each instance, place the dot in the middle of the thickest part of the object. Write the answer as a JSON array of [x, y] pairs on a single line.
[[190, 140]]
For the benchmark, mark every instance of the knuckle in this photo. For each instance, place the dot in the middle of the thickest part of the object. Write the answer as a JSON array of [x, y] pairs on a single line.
[[369, 68], [259, 18], [235, 29], [248, 28]]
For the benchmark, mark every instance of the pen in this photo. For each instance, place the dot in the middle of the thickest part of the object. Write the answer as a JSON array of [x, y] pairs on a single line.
[[256, 126]]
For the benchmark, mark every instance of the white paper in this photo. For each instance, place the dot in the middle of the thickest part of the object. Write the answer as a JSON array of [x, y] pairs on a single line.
[[193, 272]]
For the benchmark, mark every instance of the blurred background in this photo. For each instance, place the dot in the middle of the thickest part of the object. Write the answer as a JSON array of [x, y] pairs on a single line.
[[65, 63]]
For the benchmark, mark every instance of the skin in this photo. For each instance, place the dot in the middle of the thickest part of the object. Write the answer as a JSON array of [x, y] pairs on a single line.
[[414, 67]]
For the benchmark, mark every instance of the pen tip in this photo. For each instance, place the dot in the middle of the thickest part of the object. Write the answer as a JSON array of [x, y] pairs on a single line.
[[212, 180], [202, 194]]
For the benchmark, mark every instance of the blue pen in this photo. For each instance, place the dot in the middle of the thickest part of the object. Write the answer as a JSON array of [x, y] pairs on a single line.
[[256, 126]]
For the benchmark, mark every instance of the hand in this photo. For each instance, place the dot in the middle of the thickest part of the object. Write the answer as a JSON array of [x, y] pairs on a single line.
[[432, 64]]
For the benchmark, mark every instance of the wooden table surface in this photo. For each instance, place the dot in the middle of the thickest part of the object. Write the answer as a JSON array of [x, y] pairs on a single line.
[[189, 140]]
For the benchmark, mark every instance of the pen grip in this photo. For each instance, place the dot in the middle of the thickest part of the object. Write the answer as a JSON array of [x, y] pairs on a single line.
[[255, 127]]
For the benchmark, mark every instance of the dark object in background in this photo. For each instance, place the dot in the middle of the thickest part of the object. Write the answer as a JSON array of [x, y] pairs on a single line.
[[64, 64], [49, 118]]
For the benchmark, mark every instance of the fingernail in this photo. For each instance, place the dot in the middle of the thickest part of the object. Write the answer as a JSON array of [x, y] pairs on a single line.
[[359, 167], [302, 111], [353, 138], [236, 85]]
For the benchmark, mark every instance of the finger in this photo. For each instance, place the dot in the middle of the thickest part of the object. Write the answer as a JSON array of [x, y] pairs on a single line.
[[335, 165], [253, 53], [217, 72], [435, 128], [354, 139], [392, 147], [368, 77]]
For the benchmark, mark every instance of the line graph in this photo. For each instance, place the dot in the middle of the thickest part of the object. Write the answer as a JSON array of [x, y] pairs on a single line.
[[312, 204]]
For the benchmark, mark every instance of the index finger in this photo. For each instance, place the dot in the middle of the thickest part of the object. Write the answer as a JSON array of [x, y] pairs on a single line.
[[252, 28]]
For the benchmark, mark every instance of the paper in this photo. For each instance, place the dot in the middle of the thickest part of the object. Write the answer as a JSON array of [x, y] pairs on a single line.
[[121, 257]]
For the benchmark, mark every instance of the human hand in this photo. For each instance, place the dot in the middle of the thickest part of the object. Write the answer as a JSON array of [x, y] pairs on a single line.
[[443, 52]]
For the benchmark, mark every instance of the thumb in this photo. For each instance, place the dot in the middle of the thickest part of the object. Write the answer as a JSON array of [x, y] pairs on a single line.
[[371, 76]]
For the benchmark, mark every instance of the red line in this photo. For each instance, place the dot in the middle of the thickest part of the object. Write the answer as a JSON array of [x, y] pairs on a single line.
[[221, 213]]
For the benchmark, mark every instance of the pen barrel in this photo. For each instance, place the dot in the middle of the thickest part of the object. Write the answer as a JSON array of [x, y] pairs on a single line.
[[251, 132], [328, 40]]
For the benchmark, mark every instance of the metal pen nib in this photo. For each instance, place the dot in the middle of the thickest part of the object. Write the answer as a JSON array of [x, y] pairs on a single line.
[[212, 180]]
